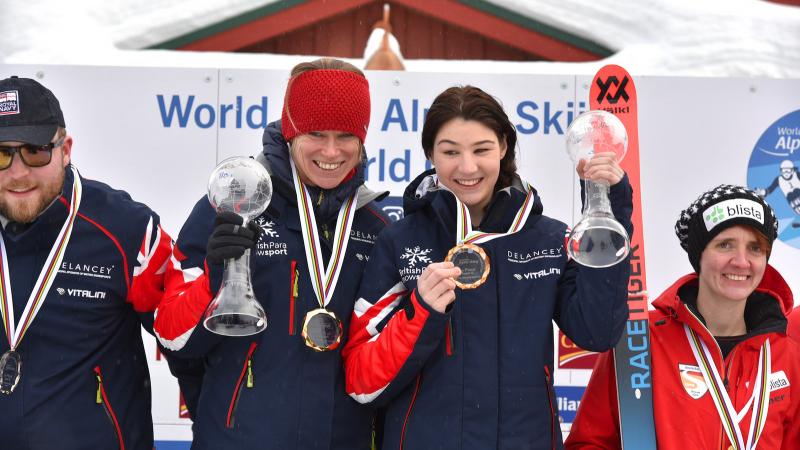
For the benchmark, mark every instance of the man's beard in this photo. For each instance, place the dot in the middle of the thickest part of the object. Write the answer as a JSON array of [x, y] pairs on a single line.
[[28, 211]]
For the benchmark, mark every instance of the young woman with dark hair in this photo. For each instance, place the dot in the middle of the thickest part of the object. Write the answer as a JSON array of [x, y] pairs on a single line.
[[470, 367]]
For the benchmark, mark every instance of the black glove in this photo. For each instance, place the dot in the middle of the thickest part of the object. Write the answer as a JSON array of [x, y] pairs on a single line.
[[229, 238]]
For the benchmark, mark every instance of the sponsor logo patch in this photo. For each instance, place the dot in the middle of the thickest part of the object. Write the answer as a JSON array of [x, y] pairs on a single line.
[[416, 260], [392, 206], [778, 380], [86, 270], [271, 248], [82, 293], [395, 213], [692, 380], [361, 236], [416, 256], [731, 209], [533, 255], [538, 274], [9, 103], [266, 246], [267, 228]]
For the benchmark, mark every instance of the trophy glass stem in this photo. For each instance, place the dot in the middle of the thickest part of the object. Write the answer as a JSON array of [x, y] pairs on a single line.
[[597, 203], [235, 311], [237, 270], [598, 240]]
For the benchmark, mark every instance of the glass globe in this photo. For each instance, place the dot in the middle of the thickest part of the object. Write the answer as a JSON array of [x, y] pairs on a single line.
[[240, 185], [596, 132]]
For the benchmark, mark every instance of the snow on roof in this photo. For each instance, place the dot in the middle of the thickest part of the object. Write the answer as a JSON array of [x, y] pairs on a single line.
[[747, 38]]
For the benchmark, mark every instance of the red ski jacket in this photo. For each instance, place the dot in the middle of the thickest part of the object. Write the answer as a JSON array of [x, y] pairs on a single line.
[[794, 324], [684, 411]]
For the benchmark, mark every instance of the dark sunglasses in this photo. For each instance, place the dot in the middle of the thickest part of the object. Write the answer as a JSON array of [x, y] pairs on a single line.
[[32, 155]]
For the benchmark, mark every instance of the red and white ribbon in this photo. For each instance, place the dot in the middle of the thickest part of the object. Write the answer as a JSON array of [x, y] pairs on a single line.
[[758, 403], [323, 277], [14, 332], [465, 233]]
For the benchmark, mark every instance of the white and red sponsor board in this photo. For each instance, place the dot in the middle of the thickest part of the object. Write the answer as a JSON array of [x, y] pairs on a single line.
[[158, 133]]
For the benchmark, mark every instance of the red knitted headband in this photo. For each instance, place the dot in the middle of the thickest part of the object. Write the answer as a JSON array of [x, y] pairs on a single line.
[[326, 99]]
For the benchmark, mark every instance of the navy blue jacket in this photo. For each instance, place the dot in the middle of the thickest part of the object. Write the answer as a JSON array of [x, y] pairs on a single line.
[[271, 391], [85, 383], [479, 375]]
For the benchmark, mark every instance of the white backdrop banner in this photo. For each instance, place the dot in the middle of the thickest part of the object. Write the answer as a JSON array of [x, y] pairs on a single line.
[[158, 132]]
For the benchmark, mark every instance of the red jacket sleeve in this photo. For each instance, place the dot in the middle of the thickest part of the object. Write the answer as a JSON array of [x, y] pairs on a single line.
[[596, 425], [147, 285], [380, 361], [188, 281], [794, 325], [185, 301]]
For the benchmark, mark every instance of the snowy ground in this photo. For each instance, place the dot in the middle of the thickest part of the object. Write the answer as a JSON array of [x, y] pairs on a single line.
[[725, 38]]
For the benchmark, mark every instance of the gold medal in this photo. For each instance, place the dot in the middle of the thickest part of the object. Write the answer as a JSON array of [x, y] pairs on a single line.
[[10, 371], [467, 256], [473, 262], [322, 330]]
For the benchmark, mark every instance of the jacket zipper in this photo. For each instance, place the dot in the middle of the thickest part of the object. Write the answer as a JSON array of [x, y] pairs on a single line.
[[408, 413], [726, 369], [247, 377], [373, 445], [448, 338], [552, 408], [325, 233], [293, 291], [102, 399]]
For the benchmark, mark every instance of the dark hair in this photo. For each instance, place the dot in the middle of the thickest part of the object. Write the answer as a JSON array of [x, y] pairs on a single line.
[[471, 103]]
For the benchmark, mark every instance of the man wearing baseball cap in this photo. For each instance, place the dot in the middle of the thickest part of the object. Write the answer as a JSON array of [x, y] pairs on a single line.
[[82, 269], [725, 375]]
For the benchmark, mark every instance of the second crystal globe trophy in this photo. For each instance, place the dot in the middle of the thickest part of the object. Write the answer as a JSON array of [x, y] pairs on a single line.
[[598, 240]]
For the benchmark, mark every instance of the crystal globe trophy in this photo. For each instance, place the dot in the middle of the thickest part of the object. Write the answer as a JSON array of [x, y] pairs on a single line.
[[242, 186], [598, 240]]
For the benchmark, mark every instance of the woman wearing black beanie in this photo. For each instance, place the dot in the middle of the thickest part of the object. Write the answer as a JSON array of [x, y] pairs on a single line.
[[724, 371]]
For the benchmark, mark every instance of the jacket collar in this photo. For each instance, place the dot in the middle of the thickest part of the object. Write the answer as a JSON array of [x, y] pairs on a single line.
[[425, 192], [275, 157]]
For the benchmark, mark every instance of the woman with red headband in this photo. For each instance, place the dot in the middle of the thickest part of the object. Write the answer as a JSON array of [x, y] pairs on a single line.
[[283, 389]]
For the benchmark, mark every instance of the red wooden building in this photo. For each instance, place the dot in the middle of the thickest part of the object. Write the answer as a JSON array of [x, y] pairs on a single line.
[[425, 29]]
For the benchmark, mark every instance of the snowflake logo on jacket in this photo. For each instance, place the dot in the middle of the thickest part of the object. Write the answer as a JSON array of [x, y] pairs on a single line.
[[416, 255], [267, 227]]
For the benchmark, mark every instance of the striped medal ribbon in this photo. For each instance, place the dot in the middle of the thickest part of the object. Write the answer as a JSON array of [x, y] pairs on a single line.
[[322, 330], [11, 361], [759, 401], [467, 255], [466, 235]]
